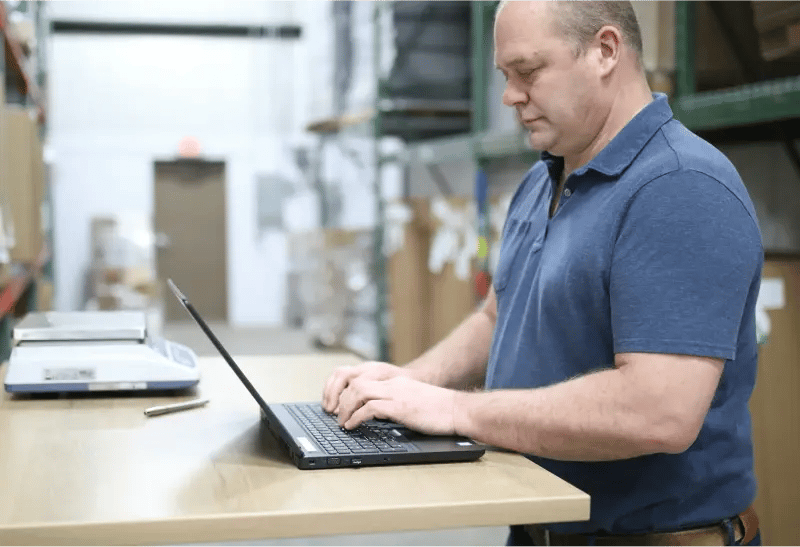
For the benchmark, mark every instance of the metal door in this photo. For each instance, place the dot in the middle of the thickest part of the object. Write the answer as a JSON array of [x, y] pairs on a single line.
[[190, 235]]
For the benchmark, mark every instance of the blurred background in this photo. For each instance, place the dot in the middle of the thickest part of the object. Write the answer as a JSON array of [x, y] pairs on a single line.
[[334, 175]]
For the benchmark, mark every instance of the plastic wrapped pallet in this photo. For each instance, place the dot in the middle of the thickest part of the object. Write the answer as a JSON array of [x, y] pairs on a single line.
[[432, 41], [122, 272], [336, 290], [423, 65]]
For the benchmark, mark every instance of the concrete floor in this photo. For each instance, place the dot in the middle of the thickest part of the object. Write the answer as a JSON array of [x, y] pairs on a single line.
[[280, 341], [238, 341]]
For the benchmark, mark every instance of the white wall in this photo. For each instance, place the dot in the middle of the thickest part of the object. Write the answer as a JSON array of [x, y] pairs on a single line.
[[117, 103], [173, 11]]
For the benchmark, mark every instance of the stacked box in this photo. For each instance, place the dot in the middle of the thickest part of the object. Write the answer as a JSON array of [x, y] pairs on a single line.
[[778, 26], [428, 295], [657, 24], [22, 176], [122, 271]]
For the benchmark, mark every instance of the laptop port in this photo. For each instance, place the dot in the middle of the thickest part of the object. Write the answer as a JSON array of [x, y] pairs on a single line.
[[355, 461], [334, 461]]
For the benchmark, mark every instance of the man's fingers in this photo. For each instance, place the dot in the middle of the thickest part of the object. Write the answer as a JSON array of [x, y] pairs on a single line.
[[359, 393], [343, 377], [326, 398], [337, 383], [373, 409]]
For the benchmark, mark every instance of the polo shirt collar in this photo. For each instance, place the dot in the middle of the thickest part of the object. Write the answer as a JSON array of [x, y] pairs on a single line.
[[626, 145]]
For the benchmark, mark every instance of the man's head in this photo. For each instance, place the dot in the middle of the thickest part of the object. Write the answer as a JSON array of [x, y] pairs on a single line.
[[578, 21], [567, 66]]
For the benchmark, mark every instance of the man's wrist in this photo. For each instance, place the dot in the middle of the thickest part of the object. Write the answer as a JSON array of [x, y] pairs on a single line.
[[418, 372], [461, 413]]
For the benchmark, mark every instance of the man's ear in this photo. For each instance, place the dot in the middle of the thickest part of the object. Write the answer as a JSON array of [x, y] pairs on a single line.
[[608, 42]]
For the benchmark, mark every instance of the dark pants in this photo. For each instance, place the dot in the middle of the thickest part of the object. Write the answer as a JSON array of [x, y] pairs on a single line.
[[518, 536]]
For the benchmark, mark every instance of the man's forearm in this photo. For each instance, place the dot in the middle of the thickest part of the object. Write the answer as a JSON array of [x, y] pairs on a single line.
[[589, 418], [459, 360]]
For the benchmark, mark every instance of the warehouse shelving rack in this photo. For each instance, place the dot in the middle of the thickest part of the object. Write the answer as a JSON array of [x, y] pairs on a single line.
[[19, 293], [755, 103], [747, 104], [391, 116], [759, 109], [372, 124], [758, 102], [480, 145]]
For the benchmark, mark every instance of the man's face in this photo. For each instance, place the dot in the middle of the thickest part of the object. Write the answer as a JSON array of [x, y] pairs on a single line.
[[555, 93]]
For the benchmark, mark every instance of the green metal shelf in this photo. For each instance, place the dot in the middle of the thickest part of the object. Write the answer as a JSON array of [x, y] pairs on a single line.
[[754, 103], [492, 146], [470, 147], [478, 146], [744, 105], [761, 102], [442, 150]]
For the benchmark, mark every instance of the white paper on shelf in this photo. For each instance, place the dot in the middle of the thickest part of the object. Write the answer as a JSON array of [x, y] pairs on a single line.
[[397, 216], [771, 296]]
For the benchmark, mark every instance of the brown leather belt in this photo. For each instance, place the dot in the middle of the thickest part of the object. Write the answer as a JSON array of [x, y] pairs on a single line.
[[745, 529]]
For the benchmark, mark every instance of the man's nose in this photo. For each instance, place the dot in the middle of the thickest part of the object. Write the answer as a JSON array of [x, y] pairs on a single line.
[[512, 95]]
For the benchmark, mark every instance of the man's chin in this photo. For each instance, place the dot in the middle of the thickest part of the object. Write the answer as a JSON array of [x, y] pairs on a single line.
[[538, 142]]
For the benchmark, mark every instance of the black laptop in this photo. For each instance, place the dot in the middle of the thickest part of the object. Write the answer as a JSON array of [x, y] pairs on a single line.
[[316, 441]]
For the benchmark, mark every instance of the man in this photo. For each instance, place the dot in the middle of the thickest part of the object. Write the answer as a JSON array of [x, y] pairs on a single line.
[[620, 331]]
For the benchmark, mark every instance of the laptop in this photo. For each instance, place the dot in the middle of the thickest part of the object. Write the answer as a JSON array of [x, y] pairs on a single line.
[[315, 440]]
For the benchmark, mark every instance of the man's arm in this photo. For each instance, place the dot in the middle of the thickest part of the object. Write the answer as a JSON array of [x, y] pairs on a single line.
[[459, 360], [649, 403]]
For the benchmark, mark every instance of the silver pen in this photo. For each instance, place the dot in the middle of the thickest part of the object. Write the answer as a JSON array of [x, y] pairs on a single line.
[[177, 407]]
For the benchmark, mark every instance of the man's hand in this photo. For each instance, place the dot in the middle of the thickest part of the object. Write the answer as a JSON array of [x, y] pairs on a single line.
[[343, 376], [420, 406]]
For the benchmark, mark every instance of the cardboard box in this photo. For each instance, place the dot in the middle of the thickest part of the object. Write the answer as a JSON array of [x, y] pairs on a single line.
[[24, 31], [775, 409], [425, 306], [44, 295], [5, 275], [778, 26], [409, 288], [657, 24], [22, 175]]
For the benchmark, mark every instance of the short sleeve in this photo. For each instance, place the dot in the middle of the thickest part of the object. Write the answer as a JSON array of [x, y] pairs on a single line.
[[686, 257]]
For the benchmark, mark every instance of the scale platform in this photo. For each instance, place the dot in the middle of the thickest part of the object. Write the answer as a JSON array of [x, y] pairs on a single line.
[[95, 351]]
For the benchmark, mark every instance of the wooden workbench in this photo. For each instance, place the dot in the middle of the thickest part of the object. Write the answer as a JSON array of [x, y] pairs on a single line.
[[92, 469]]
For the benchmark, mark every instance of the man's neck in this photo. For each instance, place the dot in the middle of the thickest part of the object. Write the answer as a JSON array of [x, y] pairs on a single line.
[[557, 193], [629, 100]]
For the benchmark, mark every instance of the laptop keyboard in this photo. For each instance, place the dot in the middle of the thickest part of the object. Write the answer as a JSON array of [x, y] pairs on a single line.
[[325, 429]]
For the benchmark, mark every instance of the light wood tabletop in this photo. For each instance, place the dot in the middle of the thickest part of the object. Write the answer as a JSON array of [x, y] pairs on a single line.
[[92, 469]]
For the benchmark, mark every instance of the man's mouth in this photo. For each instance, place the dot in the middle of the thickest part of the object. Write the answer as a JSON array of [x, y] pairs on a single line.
[[528, 121]]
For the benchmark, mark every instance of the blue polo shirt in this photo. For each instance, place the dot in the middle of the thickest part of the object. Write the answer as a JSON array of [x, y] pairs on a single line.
[[654, 248]]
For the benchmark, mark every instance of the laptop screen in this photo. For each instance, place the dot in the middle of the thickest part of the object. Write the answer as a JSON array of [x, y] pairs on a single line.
[[217, 344]]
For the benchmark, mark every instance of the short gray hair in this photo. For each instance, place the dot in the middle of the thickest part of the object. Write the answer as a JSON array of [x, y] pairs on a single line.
[[579, 21]]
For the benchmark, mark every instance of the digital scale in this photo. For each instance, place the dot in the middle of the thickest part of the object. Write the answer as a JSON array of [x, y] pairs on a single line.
[[95, 351]]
